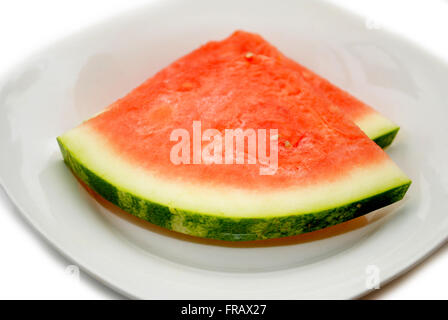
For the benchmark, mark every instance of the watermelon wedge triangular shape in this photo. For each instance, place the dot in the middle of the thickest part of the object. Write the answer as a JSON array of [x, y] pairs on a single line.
[[167, 151]]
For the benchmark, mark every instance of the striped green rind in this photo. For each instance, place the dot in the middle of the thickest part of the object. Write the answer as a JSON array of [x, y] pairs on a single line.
[[386, 139], [227, 228]]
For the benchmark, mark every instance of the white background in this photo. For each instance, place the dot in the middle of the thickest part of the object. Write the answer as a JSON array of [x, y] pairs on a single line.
[[31, 269]]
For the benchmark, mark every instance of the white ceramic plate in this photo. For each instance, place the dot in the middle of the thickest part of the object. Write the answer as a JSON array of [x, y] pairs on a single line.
[[59, 87]]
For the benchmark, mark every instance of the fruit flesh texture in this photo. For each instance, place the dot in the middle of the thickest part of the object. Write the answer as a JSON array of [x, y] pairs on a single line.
[[376, 126], [230, 91]]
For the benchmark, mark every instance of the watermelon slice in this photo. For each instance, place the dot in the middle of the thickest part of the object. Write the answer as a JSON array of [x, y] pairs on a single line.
[[376, 126], [325, 169]]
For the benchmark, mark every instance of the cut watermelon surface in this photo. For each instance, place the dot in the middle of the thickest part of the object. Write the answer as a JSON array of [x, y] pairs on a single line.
[[328, 171], [376, 126]]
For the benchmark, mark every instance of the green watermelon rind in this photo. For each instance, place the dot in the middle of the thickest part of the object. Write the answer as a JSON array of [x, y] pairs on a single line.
[[385, 139], [228, 228]]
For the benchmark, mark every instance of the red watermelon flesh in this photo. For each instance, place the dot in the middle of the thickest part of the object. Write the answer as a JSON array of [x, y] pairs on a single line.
[[231, 91], [376, 126]]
